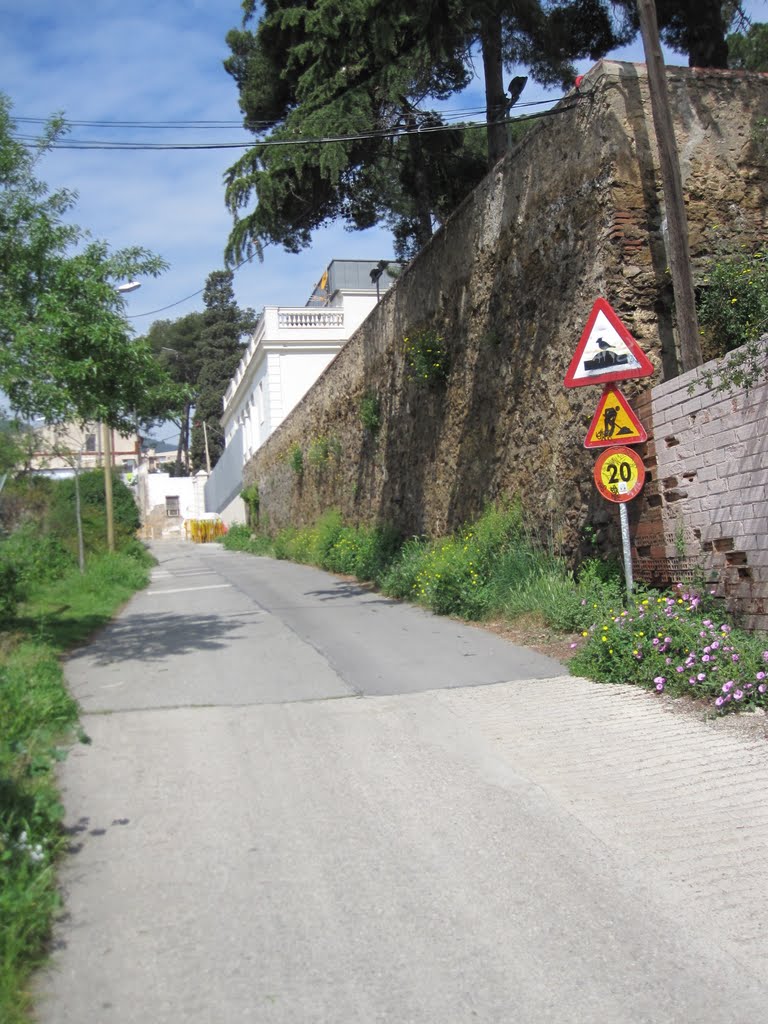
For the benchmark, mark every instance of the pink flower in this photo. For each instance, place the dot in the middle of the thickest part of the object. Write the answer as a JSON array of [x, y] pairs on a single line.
[[738, 695]]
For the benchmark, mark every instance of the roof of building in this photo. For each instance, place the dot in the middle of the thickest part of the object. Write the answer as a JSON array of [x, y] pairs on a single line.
[[351, 276]]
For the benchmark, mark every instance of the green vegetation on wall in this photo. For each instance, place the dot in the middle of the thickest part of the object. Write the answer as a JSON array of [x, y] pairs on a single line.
[[426, 356]]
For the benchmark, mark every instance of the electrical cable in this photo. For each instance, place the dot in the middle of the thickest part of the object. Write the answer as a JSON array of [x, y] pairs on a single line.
[[382, 133], [562, 107]]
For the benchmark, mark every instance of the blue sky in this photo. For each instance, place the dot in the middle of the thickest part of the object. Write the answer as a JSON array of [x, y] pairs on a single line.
[[108, 60]]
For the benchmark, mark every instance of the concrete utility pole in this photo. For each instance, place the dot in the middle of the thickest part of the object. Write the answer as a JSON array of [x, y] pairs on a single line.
[[679, 252]]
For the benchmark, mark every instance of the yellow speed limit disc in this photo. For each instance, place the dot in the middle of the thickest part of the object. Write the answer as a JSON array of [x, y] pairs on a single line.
[[619, 474]]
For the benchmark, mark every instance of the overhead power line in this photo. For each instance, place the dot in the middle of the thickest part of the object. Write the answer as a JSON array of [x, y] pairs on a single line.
[[561, 107], [375, 133]]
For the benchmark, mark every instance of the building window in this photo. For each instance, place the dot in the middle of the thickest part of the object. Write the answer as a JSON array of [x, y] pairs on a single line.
[[90, 442], [172, 506]]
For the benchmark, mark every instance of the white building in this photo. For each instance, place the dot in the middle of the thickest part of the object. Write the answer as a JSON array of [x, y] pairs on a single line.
[[167, 502], [288, 351]]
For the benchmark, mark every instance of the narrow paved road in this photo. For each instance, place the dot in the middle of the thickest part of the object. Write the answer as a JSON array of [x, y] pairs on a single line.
[[305, 803]]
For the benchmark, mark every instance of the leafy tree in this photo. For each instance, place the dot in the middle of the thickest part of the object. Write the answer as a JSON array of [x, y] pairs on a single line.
[[220, 350], [748, 51], [65, 347], [326, 71], [698, 28], [543, 37], [178, 345]]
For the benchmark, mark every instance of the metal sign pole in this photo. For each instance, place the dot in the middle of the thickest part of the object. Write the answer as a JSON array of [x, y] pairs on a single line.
[[624, 517]]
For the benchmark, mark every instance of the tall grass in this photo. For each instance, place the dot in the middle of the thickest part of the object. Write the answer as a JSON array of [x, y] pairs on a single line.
[[491, 568], [38, 718]]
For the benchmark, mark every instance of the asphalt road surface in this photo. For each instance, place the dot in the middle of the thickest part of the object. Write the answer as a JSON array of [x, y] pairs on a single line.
[[305, 803]]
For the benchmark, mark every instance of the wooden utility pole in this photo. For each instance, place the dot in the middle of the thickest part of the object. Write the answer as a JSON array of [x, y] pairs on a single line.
[[677, 225], [106, 433], [207, 452]]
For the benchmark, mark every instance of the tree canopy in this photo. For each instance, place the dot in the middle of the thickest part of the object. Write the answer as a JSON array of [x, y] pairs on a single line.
[[340, 96], [748, 50], [66, 350], [177, 344]]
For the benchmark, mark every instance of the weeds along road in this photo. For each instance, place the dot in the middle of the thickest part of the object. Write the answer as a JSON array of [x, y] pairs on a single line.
[[305, 803]]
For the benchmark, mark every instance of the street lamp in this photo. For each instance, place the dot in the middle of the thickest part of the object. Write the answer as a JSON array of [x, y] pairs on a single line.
[[106, 438]]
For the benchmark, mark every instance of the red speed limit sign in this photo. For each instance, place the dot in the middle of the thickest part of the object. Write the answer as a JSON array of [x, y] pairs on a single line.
[[619, 474]]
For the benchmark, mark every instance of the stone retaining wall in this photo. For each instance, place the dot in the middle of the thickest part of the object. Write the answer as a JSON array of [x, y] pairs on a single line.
[[573, 213]]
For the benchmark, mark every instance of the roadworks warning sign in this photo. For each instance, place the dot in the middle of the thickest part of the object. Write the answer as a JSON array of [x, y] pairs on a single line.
[[614, 422]]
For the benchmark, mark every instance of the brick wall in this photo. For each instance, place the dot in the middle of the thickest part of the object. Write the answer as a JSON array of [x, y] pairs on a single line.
[[704, 506]]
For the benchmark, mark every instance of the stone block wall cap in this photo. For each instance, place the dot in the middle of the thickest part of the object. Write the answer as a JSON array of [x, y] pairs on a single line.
[[615, 69]]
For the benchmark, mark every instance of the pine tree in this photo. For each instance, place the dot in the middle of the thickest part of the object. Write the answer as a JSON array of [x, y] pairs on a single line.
[[360, 76], [220, 350]]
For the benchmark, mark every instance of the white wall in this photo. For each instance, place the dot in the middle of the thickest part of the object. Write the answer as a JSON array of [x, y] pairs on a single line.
[[298, 372], [153, 491]]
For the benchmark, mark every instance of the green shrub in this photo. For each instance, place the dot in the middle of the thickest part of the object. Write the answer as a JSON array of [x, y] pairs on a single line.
[[9, 589], [37, 556], [733, 307], [370, 412], [676, 643], [426, 357], [252, 500], [61, 518], [362, 551], [296, 459], [322, 451], [318, 452], [25, 499], [240, 537]]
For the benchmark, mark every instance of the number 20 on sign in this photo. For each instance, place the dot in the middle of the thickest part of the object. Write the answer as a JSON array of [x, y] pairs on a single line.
[[619, 474]]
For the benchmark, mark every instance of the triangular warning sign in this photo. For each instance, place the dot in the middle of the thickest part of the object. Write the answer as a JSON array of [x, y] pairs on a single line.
[[606, 351], [614, 422]]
